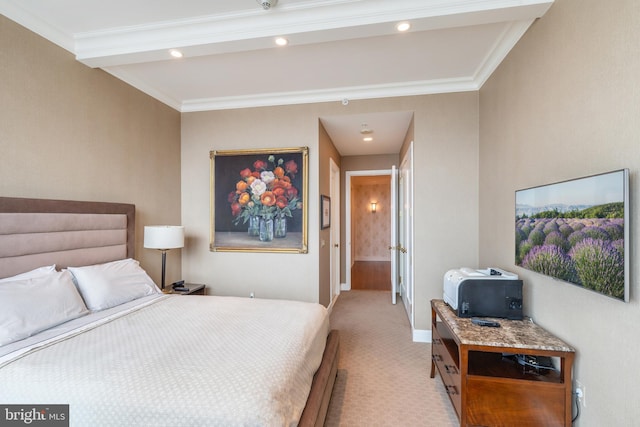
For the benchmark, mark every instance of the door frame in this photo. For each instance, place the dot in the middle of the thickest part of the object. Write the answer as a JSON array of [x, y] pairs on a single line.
[[347, 202], [334, 233], [406, 232]]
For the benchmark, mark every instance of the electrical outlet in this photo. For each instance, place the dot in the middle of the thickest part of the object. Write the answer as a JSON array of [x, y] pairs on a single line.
[[581, 393]]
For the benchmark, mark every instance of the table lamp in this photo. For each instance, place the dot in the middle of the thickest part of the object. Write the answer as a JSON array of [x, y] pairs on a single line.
[[164, 238]]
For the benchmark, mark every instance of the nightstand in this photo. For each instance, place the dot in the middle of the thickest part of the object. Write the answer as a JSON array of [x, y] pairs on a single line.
[[194, 289]]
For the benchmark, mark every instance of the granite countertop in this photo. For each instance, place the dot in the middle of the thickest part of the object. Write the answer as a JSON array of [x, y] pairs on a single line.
[[511, 333]]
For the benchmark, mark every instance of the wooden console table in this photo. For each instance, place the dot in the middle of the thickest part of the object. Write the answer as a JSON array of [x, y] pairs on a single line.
[[486, 385]]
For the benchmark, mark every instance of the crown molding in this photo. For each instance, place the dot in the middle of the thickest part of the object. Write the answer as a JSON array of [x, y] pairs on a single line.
[[142, 86], [414, 88], [331, 95], [13, 11], [502, 47]]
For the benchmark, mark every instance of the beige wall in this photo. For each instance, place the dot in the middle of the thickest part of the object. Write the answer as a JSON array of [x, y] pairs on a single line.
[[446, 159], [71, 132], [445, 178], [267, 275], [564, 104], [326, 151]]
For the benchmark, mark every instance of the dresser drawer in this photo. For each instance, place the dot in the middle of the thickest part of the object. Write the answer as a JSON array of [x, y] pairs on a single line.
[[448, 369]]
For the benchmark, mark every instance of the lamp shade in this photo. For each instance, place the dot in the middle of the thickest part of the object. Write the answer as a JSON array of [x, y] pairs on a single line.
[[164, 237]]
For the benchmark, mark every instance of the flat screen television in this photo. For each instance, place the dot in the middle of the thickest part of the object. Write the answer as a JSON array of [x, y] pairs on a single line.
[[577, 231]]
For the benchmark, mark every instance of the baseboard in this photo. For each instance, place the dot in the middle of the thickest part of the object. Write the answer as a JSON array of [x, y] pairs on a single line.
[[422, 335], [332, 303], [345, 287]]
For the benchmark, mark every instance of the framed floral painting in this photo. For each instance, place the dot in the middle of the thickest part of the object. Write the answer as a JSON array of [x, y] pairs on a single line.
[[259, 200]]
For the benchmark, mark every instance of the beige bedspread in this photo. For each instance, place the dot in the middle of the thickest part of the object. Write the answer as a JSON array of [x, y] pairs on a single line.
[[181, 361]]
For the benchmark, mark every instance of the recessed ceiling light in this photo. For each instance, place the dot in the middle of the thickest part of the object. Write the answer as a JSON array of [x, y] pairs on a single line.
[[403, 26], [367, 139], [281, 41], [175, 53]]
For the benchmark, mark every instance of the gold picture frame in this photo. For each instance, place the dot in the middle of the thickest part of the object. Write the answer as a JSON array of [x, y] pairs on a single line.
[[259, 200]]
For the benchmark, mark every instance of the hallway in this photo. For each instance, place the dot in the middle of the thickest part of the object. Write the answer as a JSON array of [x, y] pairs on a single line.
[[383, 376], [371, 275]]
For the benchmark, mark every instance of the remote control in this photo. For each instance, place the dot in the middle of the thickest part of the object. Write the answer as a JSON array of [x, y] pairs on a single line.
[[181, 289], [482, 322]]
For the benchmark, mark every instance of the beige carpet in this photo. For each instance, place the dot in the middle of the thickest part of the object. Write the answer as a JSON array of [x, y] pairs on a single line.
[[383, 377]]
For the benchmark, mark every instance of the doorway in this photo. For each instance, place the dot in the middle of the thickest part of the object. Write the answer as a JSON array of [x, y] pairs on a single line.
[[369, 222]]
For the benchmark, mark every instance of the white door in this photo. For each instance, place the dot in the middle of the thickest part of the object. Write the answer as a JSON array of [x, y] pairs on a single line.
[[405, 234], [394, 233], [334, 242]]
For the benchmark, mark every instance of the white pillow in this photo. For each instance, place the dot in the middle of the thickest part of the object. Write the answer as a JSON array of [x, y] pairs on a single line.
[[107, 285], [38, 272], [28, 306]]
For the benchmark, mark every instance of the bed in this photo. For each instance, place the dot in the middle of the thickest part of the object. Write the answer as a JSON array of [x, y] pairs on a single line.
[[106, 342]]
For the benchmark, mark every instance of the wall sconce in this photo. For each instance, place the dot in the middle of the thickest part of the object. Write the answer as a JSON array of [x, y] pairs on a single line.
[[373, 207]]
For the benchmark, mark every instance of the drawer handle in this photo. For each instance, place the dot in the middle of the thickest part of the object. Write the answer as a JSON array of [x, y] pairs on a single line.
[[437, 341], [451, 389], [450, 369], [436, 358]]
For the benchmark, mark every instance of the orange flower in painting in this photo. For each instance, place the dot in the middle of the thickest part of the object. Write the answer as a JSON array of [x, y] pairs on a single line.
[[265, 190], [244, 199], [241, 186], [282, 202], [268, 198]]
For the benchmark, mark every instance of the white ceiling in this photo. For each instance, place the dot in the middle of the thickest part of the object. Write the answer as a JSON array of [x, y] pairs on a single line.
[[388, 131], [338, 50]]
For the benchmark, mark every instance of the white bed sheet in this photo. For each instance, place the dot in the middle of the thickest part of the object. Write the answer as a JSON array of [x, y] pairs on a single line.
[[177, 361], [15, 349]]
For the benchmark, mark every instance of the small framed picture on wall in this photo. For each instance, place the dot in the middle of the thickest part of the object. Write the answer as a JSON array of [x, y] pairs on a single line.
[[325, 212]]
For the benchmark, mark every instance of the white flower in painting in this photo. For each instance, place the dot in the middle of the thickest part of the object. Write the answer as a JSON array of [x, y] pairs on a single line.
[[258, 187], [267, 176]]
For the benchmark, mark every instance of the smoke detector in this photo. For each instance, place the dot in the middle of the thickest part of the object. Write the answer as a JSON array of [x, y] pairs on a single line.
[[267, 4], [365, 130]]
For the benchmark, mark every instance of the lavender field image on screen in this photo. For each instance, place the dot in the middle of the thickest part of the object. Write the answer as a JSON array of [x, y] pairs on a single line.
[[576, 231]]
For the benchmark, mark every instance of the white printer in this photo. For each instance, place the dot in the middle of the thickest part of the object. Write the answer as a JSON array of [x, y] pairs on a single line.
[[490, 292]]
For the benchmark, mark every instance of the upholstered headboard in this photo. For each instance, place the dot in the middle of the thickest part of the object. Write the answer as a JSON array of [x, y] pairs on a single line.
[[38, 232]]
